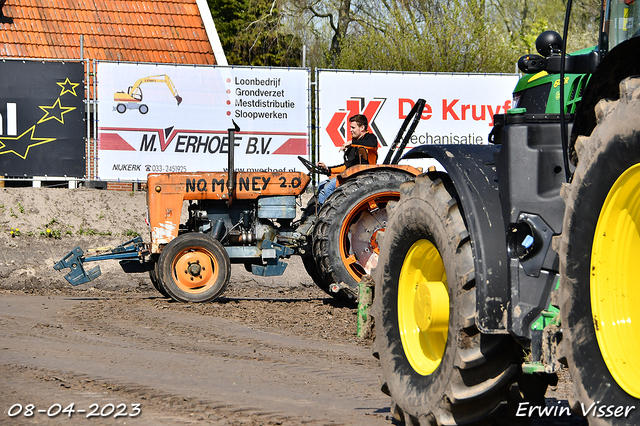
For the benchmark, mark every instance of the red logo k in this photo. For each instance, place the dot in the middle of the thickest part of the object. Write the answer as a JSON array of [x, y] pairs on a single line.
[[338, 125]]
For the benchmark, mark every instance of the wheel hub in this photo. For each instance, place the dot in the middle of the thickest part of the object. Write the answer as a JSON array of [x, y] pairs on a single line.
[[423, 307], [193, 270], [362, 236], [431, 307]]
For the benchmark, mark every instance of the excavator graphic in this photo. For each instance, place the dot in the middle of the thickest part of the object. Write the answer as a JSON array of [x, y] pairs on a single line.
[[133, 98]]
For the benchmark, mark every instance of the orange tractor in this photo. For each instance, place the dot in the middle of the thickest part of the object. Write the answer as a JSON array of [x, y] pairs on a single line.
[[249, 218]]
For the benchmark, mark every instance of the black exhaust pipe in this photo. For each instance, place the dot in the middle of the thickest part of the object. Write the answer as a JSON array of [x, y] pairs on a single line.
[[231, 178]]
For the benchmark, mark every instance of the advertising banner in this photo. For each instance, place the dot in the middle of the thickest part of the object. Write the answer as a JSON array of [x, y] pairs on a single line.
[[459, 107], [42, 124], [168, 118]]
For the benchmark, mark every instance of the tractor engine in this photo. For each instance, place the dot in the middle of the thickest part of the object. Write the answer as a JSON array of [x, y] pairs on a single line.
[[246, 223]]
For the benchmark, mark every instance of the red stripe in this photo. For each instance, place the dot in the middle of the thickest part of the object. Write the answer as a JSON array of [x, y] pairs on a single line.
[[294, 146], [113, 142]]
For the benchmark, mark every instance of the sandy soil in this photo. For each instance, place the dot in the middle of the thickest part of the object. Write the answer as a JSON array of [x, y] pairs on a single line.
[[271, 351]]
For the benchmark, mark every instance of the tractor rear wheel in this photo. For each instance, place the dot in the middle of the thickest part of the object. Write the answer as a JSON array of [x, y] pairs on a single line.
[[437, 366], [310, 266], [599, 251], [306, 225], [345, 238], [194, 268]]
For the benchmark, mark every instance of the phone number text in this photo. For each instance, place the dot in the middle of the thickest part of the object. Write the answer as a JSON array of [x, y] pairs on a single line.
[[159, 168]]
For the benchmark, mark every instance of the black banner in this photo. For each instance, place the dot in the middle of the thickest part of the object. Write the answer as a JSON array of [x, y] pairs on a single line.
[[41, 118]]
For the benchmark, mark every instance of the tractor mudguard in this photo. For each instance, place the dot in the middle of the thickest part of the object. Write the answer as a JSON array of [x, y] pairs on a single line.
[[357, 170], [472, 172]]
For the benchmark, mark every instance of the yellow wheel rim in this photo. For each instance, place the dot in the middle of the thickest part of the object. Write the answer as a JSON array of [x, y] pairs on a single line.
[[615, 293], [423, 307]]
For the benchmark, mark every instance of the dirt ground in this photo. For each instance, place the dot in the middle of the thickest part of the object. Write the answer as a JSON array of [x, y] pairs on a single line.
[[271, 351]]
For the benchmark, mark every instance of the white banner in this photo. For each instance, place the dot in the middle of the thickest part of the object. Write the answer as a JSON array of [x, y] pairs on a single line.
[[459, 107], [167, 118]]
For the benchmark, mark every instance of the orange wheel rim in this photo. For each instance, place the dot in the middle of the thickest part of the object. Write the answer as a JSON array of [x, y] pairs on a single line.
[[358, 234], [195, 270]]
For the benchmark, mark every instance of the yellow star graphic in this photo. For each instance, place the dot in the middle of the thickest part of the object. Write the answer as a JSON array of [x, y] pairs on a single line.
[[57, 114], [21, 147], [68, 87]]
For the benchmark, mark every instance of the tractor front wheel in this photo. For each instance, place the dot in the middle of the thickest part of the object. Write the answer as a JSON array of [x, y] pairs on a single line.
[[599, 251], [153, 276], [437, 366], [194, 268]]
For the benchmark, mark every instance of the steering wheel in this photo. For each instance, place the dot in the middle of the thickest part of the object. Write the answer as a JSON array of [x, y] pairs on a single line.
[[312, 167]]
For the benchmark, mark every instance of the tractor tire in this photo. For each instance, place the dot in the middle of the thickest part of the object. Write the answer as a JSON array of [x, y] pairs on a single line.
[[345, 246], [307, 223], [438, 368], [310, 266], [194, 267], [153, 276], [599, 250]]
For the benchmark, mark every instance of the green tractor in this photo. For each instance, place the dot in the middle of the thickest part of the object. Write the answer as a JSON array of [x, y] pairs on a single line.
[[521, 259]]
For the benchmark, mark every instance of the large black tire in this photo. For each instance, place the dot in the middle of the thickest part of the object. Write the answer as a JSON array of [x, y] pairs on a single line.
[[153, 276], [306, 225], [194, 267], [310, 266], [348, 224], [599, 251], [437, 366]]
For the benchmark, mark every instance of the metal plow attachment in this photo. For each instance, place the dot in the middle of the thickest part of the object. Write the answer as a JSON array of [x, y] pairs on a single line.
[[74, 261], [133, 250]]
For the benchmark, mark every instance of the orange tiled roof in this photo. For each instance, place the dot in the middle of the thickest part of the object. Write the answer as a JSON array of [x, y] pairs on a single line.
[[168, 31]]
